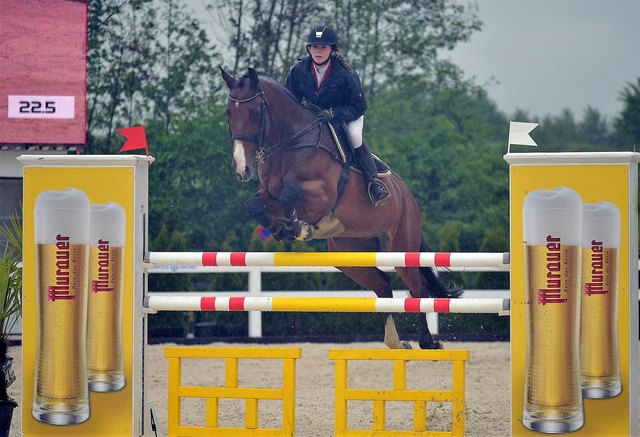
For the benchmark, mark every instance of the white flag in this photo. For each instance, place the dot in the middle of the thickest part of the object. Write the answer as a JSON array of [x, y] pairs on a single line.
[[519, 133]]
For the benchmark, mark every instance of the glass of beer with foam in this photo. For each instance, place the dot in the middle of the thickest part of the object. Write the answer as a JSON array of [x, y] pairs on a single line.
[[599, 361], [62, 274], [552, 238], [104, 314]]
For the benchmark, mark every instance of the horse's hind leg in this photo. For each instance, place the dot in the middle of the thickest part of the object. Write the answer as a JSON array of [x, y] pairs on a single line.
[[425, 339], [379, 282], [373, 279], [417, 288]]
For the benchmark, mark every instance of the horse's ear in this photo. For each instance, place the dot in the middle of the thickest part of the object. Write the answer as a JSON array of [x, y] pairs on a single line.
[[228, 79], [253, 77]]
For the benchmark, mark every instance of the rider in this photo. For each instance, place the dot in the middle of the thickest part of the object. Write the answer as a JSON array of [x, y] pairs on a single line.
[[326, 80]]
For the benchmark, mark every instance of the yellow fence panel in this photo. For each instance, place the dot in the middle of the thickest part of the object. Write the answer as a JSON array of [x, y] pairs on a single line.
[[231, 390], [379, 397]]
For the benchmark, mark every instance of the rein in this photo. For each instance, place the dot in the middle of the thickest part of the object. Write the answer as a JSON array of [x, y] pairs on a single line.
[[263, 153]]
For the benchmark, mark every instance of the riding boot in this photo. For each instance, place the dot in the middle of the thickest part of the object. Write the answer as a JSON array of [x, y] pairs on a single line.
[[378, 192]]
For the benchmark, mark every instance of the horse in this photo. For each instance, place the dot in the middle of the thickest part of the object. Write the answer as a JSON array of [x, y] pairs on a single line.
[[307, 190]]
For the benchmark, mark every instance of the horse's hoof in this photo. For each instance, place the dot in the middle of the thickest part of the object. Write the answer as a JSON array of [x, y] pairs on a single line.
[[304, 231], [431, 345], [406, 344]]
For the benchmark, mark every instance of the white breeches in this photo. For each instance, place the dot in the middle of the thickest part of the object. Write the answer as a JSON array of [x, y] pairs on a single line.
[[354, 130]]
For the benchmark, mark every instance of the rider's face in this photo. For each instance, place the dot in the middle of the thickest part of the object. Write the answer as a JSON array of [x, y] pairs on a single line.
[[320, 53]]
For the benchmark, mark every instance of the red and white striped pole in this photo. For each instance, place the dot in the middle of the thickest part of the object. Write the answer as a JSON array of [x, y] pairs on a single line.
[[158, 302], [337, 259]]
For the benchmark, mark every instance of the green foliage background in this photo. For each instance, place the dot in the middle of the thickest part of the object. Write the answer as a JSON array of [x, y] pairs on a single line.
[[151, 63]]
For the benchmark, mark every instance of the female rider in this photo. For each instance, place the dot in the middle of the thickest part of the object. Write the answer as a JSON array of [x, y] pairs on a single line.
[[326, 80]]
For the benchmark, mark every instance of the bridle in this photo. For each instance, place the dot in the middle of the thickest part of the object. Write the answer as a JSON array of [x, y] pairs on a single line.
[[257, 139], [265, 152]]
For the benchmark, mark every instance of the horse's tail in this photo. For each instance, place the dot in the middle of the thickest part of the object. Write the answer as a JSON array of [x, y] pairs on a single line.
[[435, 286]]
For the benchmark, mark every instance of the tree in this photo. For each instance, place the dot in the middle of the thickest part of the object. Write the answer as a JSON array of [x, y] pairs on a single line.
[[385, 39], [627, 124], [146, 60], [266, 35], [594, 128], [185, 74], [120, 34]]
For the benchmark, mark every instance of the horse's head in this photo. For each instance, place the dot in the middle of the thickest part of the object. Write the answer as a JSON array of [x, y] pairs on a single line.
[[247, 116]]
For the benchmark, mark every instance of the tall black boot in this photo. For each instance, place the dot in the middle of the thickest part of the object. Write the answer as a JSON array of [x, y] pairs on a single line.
[[378, 192]]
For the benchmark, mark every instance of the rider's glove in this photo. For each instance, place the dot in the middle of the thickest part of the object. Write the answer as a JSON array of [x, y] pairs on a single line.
[[325, 114]]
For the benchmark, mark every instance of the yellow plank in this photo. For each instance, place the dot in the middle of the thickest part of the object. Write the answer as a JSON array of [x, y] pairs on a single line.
[[230, 393], [353, 394], [231, 352], [349, 259], [379, 415], [458, 403], [251, 418], [399, 354], [173, 401], [340, 420], [211, 412], [394, 433], [201, 431], [231, 372], [289, 397], [324, 304], [399, 374], [419, 416]]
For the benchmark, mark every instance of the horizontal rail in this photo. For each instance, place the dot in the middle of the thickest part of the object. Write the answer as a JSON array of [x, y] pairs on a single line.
[[336, 259], [327, 304], [151, 268], [312, 294]]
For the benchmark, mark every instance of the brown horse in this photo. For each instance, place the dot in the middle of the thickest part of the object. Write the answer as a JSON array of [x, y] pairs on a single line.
[[306, 190]]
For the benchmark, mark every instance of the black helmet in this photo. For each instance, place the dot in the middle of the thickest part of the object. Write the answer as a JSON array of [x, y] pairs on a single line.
[[323, 35]]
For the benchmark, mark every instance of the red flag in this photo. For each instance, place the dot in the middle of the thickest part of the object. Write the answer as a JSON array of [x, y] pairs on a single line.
[[136, 139]]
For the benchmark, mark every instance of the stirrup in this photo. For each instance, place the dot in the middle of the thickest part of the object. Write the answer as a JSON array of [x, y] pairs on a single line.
[[385, 191]]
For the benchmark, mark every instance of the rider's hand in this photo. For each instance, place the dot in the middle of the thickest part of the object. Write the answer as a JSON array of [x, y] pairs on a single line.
[[325, 114]]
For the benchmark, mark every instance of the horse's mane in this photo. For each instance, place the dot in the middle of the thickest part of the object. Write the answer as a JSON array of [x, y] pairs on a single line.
[[266, 78]]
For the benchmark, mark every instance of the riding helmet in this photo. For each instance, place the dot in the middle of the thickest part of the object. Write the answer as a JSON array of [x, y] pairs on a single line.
[[323, 35]]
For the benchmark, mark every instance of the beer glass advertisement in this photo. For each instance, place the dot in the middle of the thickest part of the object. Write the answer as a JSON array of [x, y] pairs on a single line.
[[77, 301], [574, 309]]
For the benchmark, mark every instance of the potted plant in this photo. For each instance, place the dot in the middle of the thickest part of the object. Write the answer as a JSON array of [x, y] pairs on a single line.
[[10, 310]]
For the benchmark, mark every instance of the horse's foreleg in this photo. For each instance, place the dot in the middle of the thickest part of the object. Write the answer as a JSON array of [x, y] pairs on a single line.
[[391, 338], [298, 229], [257, 210]]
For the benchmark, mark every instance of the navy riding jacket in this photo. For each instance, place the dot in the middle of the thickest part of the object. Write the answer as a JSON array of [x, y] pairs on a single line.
[[340, 90]]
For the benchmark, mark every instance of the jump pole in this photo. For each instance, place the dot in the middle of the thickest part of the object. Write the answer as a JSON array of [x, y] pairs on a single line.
[[157, 302], [498, 260]]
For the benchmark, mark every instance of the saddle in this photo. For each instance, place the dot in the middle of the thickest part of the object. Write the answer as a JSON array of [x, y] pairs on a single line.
[[345, 151]]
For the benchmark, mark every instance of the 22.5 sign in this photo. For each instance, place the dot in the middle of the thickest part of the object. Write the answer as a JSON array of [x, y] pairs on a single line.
[[36, 107], [54, 107]]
